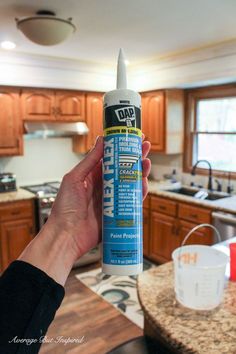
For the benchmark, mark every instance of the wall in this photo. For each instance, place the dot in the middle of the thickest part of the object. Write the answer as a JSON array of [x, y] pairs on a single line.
[[208, 65], [44, 160], [164, 164]]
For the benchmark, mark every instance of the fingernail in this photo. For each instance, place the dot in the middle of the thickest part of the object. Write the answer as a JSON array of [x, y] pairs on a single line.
[[98, 139]]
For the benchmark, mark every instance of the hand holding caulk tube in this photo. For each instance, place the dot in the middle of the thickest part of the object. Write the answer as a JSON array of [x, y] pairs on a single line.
[[75, 223]]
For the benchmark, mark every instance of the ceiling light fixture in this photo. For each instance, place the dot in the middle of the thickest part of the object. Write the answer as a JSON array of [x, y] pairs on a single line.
[[8, 45], [45, 28]]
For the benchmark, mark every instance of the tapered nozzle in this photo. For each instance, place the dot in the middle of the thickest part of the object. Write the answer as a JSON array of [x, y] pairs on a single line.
[[121, 82]]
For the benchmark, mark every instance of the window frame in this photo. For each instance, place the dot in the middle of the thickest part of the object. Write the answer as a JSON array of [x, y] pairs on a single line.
[[192, 96]]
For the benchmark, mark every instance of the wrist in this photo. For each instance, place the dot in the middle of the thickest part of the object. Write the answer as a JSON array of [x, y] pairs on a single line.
[[52, 251]]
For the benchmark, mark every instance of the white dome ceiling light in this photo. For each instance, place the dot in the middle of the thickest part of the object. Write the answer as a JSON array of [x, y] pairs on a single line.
[[45, 28]]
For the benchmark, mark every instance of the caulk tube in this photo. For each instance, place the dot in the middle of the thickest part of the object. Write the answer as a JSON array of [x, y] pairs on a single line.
[[122, 179]]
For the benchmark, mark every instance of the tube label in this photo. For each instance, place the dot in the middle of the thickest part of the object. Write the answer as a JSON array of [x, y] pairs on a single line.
[[122, 186]]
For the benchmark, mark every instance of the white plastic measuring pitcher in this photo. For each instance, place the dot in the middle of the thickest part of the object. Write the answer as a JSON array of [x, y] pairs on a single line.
[[199, 274]]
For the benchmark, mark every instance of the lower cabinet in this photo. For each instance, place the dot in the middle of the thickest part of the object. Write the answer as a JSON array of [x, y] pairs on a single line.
[[170, 221], [162, 237], [201, 236], [16, 230]]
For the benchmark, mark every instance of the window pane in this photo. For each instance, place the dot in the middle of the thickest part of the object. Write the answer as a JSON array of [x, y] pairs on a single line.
[[218, 149], [216, 115]]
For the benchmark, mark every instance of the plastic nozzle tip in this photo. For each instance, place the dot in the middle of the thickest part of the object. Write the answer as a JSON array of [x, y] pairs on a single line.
[[121, 82]]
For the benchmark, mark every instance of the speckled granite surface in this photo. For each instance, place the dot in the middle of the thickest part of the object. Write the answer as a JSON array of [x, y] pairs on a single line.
[[187, 331], [225, 204], [20, 194]]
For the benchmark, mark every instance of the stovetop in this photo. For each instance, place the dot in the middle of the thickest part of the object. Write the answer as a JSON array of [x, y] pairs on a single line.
[[44, 190]]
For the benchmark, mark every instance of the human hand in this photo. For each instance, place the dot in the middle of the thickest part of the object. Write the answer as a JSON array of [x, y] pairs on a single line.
[[74, 225], [78, 206]]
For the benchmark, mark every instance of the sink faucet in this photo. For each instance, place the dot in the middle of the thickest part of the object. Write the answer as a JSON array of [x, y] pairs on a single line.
[[210, 172]]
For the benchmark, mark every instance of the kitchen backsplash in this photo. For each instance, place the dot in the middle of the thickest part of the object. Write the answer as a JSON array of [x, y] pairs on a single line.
[[165, 164], [49, 159], [43, 160]]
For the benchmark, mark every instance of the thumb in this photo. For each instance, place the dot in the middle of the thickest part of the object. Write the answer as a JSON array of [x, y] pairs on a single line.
[[89, 161]]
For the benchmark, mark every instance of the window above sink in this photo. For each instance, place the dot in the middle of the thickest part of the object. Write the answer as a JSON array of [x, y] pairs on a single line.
[[210, 129]]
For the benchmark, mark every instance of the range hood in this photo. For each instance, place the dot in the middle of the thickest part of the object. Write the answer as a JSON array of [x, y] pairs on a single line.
[[51, 129]]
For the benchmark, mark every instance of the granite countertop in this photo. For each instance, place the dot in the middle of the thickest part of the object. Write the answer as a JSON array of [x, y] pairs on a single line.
[[227, 205], [20, 194], [186, 330]]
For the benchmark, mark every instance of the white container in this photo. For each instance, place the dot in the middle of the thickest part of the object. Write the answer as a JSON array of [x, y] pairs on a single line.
[[199, 275]]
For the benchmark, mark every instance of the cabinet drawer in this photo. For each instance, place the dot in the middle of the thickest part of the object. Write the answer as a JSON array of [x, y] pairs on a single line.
[[146, 202], [163, 206], [16, 210], [194, 214]]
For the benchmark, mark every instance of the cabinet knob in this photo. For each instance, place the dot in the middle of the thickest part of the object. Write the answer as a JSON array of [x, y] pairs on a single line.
[[194, 216], [15, 212]]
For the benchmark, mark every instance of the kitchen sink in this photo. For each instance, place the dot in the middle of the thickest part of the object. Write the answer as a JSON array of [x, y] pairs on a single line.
[[201, 194]]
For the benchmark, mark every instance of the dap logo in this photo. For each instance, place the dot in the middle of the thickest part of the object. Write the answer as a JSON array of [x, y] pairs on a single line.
[[126, 114]]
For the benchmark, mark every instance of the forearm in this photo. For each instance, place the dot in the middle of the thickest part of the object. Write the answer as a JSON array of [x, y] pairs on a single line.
[[29, 299], [52, 251]]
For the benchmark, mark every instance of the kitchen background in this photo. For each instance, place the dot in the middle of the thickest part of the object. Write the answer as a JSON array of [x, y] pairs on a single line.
[[177, 51]]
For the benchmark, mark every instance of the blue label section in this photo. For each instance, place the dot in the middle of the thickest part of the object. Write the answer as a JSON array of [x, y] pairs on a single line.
[[122, 199]]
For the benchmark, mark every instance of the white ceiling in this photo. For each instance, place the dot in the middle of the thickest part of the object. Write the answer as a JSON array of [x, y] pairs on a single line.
[[144, 28]]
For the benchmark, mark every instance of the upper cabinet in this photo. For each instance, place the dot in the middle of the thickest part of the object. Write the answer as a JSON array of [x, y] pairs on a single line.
[[153, 119], [94, 120], [70, 106], [10, 122], [38, 104], [163, 120], [51, 105], [94, 108]]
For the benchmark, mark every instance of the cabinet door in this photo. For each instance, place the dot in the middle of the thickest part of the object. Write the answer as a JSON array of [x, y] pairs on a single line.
[[162, 236], [14, 237], [38, 104], [10, 122], [203, 236], [70, 106], [94, 114], [153, 119], [146, 234]]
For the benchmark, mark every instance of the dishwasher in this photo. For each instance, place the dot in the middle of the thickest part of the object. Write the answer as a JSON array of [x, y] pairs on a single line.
[[226, 225]]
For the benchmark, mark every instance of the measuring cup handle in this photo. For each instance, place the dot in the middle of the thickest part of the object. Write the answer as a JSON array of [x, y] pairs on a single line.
[[198, 227], [192, 231]]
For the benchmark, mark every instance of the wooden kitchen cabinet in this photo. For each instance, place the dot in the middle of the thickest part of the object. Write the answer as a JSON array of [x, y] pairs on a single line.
[[162, 234], [94, 120], [94, 110], [170, 222], [11, 138], [15, 236], [16, 229], [38, 104], [201, 236], [70, 106], [153, 119], [163, 120], [52, 105]]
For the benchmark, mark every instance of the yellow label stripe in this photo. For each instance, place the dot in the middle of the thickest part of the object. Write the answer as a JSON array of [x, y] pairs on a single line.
[[122, 130]]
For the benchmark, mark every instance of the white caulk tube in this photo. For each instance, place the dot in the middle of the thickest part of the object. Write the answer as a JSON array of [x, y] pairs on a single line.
[[122, 179]]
